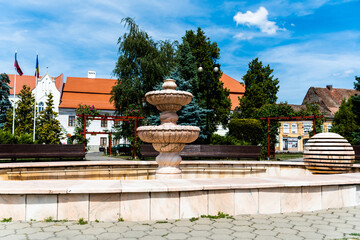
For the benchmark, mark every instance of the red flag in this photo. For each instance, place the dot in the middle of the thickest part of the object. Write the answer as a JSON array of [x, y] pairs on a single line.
[[16, 65]]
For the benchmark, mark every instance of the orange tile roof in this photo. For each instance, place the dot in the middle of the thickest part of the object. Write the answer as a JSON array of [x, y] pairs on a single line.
[[236, 88], [20, 81], [29, 81], [90, 91]]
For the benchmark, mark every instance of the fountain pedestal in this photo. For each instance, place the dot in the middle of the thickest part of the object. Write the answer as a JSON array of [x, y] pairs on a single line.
[[168, 138]]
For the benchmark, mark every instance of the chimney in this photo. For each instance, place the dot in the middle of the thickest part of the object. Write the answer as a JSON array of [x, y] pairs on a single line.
[[91, 74], [329, 87]]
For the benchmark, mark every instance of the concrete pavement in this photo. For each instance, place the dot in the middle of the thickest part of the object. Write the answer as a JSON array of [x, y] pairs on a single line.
[[330, 224]]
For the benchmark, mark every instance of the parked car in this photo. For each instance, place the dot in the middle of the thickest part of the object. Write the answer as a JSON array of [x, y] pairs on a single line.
[[122, 149]]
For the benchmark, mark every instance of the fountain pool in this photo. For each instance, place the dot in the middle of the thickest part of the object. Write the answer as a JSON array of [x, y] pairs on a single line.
[[58, 190]]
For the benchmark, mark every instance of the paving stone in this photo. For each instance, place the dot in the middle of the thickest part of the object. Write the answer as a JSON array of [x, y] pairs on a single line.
[[242, 223], [17, 225], [14, 237], [261, 220], [202, 227], [284, 230], [222, 237], [54, 228], [126, 224], [176, 236], [163, 225], [152, 238], [42, 224], [222, 231], [346, 230], [158, 232], [286, 236], [141, 227], [40, 235], [282, 225], [94, 230], [265, 238], [28, 230], [180, 229], [109, 236], [85, 237], [198, 233], [185, 223], [279, 220], [68, 233], [134, 234], [222, 225], [243, 229], [324, 227], [304, 229], [6, 232], [308, 235], [117, 229], [244, 235], [262, 226], [102, 224], [79, 227], [204, 221], [302, 223], [263, 232], [197, 238]]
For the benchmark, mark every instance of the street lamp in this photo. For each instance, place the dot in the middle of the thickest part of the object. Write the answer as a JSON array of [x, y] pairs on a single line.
[[216, 69]]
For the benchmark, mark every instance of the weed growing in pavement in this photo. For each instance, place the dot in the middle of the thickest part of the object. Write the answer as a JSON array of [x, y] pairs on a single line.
[[120, 219], [6, 219], [161, 221], [193, 219], [219, 215], [82, 222], [50, 219]]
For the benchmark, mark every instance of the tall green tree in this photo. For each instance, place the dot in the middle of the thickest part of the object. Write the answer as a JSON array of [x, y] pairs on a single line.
[[207, 87], [48, 129], [24, 113], [260, 88], [5, 103], [345, 120], [141, 65]]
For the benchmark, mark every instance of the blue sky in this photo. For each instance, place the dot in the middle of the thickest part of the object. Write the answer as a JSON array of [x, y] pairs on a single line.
[[307, 43]]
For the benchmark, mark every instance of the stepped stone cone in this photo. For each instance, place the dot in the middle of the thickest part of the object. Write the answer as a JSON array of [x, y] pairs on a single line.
[[168, 138], [328, 153]]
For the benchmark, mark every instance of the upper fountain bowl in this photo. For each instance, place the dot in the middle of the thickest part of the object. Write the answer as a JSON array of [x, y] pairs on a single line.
[[168, 99]]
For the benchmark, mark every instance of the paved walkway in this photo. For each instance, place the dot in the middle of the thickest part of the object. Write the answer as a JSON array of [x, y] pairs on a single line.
[[331, 224]]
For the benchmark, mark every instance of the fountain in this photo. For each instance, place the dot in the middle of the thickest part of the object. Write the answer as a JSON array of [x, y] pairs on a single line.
[[168, 138]]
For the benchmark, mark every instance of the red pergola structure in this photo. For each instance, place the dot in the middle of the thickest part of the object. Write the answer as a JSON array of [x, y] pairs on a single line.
[[268, 119], [109, 118]]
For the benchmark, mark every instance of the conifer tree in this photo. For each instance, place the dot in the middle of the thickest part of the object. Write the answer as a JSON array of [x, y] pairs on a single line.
[[206, 87], [260, 88], [48, 130], [5, 103], [24, 113]]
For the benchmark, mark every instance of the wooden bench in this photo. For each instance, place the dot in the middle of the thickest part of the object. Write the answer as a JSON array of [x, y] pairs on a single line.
[[209, 151], [15, 151]]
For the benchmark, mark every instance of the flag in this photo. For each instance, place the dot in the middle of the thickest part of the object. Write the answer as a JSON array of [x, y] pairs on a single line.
[[37, 73], [16, 65]]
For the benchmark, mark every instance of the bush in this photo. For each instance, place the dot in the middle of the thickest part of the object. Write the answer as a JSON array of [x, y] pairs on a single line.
[[6, 137], [247, 130], [216, 139]]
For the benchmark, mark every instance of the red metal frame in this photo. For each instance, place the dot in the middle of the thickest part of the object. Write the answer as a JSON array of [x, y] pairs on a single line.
[[314, 117], [109, 118]]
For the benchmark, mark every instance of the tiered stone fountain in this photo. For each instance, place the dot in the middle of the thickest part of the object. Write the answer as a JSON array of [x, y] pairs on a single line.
[[168, 138]]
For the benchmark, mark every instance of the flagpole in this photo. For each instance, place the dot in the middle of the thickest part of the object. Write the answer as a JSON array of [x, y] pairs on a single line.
[[36, 81], [13, 121]]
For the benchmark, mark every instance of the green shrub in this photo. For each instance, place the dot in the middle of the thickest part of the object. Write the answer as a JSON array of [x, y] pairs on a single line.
[[216, 139], [7, 138], [247, 130]]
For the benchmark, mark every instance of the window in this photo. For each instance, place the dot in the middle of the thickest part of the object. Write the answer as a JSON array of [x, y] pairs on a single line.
[[293, 128], [286, 127], [103, 141], [41, 107], [71, 121], [307, 127], [117, 123], [103, 123]]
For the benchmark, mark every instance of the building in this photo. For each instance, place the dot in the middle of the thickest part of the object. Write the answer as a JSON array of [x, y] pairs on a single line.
[[293, 135], [46, 85], [90, 91]]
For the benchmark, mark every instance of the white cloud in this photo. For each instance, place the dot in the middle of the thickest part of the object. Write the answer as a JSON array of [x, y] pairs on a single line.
[[258, 19]]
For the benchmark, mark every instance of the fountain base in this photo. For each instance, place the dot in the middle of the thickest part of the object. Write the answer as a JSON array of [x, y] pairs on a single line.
[[168, 163]]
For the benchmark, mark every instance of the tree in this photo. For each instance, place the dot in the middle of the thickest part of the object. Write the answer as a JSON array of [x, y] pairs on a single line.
[[312, 109], [189, 115], [357, 83], [206, 87], [24, 113], [5, 103], [260, 88], [345, 121], [142, 64], [49, 129]]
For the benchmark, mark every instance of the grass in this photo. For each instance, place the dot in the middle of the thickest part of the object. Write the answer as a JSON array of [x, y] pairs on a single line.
[[6, 219], [82, 222], [287, 156]]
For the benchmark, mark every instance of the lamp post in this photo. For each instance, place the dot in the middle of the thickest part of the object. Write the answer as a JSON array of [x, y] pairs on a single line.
[[216, 69]]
